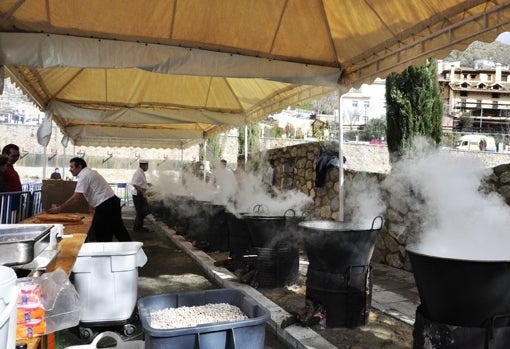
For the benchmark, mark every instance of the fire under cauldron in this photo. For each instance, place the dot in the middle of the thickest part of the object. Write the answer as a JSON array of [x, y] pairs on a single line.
[[464, 303], [339, 277], [275, 244]]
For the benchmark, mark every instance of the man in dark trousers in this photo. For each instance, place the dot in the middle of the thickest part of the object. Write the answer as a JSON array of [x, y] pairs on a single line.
[[140, 185], [107, 220]]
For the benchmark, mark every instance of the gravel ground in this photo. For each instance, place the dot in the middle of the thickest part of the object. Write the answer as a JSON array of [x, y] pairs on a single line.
[[382, 331]]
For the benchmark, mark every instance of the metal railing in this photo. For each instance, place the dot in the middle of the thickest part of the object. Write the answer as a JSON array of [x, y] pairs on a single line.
[[17, 206], [122, 190], [20, 205]]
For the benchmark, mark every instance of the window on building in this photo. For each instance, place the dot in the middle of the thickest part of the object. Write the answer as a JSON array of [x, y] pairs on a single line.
[[479, 104], [472, 76], [494, 104], [463, 93], [354, 104], [495, 95], [462, 104], [366, 104]]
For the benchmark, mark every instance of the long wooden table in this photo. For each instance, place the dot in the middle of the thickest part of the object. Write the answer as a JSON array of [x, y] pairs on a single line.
[[73, 238]]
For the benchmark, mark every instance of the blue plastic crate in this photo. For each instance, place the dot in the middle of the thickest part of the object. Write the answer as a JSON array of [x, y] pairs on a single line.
[[244, 334]]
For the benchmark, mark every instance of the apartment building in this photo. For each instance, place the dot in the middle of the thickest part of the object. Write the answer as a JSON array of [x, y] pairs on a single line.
[[482, 92], [364, 103]]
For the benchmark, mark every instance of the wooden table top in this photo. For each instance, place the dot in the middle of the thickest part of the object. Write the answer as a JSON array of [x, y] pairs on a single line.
[[69, 246]]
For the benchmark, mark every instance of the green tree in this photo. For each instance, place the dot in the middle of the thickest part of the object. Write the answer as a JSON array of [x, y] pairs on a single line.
[[277, 132], [465, 121], [215, 148], [375, 128], [414, 107], [253, 138]]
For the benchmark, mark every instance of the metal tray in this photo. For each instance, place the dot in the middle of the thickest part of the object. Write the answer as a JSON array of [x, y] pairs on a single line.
[[21, 243]]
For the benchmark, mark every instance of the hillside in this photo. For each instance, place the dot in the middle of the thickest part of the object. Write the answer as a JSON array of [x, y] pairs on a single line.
[[496, 51]]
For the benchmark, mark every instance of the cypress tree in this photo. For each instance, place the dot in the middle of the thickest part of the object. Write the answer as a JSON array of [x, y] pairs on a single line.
[[414, 107]]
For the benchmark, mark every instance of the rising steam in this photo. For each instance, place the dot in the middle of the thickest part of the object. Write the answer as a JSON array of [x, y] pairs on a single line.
[[458, 220], [246, 192]]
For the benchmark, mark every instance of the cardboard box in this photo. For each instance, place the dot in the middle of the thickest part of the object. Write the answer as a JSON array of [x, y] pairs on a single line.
[[56, 192]]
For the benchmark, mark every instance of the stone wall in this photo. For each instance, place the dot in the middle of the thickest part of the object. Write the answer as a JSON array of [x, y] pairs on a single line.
[[294, 168]]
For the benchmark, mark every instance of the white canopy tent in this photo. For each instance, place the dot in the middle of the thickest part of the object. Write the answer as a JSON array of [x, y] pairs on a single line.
[[169, 73]]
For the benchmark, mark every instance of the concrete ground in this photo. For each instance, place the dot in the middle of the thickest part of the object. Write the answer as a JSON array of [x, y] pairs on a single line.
[[175, 266]]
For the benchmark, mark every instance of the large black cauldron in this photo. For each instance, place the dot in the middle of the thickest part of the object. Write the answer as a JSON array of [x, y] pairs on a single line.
[[267, 229], [178, 213], [275, 241], [208, 227], [339, 272], [239, 242], [468, 293]]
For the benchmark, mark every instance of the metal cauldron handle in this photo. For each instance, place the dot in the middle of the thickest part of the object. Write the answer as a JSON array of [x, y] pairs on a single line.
[[259, 208], [375, 219], [290, 210]]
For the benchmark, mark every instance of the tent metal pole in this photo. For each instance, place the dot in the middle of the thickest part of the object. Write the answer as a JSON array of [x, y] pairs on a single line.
[[64, 164], [182, 154], [245, 144], [205, 158], [340, 158], [45, 165]]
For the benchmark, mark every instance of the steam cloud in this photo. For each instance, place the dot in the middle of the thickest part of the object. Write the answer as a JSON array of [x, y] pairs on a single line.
[[249, 192], [363, 200], [458, 220]]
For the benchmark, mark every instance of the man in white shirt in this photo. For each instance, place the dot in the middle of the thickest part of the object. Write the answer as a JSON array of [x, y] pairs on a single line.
[[226, 181], [140, 185], [107, 220], [268, 177]]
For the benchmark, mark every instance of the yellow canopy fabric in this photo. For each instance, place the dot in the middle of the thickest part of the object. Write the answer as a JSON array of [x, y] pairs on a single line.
[[167, 73]]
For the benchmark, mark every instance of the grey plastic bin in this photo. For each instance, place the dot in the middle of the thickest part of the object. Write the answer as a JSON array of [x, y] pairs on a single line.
[[244, 334]]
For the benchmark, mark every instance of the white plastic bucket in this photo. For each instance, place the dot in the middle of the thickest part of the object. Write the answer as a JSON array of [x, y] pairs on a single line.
[[106, 278], [7, 283], [8, 320]]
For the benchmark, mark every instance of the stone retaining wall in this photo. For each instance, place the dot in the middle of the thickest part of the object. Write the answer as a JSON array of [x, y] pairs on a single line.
[[294, 168]]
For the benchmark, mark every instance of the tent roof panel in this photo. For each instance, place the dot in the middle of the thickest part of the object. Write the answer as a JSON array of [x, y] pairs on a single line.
[[211, 65]]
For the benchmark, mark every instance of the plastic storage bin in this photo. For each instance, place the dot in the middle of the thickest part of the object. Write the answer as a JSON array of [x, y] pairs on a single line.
[[8, 300], [106, 278], [244, 334]]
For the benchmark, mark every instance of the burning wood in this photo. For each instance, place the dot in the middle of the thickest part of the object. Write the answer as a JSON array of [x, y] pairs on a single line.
[[311, 314]]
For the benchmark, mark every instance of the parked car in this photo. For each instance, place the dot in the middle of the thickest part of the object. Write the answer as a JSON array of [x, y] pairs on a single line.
[[380, 142]]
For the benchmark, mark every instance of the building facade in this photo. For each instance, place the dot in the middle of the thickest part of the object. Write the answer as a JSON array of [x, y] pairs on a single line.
[[363, 104], [482, 92]]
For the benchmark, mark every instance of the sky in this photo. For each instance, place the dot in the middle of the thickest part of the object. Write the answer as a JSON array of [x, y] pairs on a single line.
[[504, 38]]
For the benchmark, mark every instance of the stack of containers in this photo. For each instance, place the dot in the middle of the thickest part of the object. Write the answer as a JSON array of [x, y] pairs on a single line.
[[30, 321], [8, 300]]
